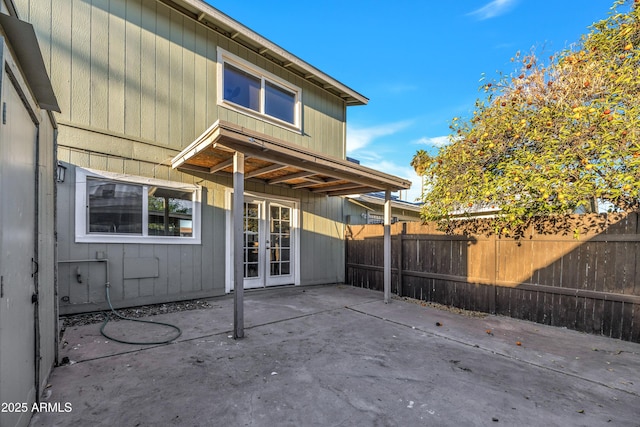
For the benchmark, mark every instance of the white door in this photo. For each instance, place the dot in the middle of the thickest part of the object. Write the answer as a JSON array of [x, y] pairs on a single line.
[[18, 136], [278, 247], [269, 243], [254, 242]]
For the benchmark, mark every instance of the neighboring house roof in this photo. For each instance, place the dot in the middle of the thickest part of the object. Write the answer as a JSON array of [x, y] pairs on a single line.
[[278, 162], [478, 210], [378, 200], [227, 26]]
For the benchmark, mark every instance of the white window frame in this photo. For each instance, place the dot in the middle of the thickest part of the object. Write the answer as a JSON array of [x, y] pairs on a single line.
[[264, 76], [82, 210]]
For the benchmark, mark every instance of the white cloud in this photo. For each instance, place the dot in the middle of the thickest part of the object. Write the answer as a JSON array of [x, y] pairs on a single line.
[[493, 9], [358, 138], [436, 141]]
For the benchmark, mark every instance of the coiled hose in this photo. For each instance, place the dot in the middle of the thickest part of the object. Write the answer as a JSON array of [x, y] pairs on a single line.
[[107, 318]]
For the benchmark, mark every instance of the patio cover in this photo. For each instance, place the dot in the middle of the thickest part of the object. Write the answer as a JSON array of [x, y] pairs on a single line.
[[226, 147], [278, 162]]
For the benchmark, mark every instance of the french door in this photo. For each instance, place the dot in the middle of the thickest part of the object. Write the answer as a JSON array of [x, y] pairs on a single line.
[[269, 248]]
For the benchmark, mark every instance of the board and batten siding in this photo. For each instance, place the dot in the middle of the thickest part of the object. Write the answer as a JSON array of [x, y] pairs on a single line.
[[136, 81], [185, 271], [176, 271], [142, 69]]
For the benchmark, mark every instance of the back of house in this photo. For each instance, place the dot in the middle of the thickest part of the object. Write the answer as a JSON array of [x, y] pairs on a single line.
[[156, 96]]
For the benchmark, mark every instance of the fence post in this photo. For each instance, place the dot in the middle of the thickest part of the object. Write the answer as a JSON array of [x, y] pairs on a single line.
[[399, 260], [347, 235], [387, 246], [493, 290]]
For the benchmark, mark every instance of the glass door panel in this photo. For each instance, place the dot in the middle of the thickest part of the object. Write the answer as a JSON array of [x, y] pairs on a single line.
[[267, 247], [279, 244], [251, 218]]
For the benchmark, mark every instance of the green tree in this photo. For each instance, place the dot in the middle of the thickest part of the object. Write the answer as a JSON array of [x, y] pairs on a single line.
[[549, 139]]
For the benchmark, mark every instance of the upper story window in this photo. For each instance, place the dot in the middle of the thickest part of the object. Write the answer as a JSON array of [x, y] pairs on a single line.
[[247, 88], [135, 210]]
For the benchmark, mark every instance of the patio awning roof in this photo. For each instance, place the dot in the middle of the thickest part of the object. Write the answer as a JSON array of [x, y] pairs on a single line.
[[246, 154], [277, 162]]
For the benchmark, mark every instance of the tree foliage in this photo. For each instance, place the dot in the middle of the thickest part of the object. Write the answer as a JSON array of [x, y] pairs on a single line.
[[552, 138]]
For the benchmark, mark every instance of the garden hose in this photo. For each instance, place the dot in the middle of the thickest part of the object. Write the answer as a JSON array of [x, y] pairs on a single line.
[[107, 317]]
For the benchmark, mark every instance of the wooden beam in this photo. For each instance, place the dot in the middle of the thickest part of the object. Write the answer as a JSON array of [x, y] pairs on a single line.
[[290, 177], [314, 181], [357, 190], [222, 165], [221, 147], [262, 171], [193, 168], [348, 186], [304, 185], [238, 245]]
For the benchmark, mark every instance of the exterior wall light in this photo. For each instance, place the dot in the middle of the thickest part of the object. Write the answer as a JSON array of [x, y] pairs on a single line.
[[61, 172]]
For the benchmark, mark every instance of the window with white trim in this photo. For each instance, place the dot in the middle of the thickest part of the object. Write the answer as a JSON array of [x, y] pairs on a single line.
[[249, 89], [115, 208]]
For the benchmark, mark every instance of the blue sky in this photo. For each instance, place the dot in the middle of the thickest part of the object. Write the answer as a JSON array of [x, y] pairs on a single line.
[[418, 61]]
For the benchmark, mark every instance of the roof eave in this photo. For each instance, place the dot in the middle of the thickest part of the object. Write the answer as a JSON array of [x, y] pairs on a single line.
[[232, 29]]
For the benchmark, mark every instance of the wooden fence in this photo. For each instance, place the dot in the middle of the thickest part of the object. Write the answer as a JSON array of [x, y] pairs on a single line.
[[590, 284]]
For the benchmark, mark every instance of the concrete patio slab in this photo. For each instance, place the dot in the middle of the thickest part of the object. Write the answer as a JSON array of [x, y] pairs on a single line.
[[337, 355]]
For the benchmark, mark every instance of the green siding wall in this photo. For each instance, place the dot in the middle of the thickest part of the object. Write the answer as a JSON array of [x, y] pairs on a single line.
[[142, 69], [185, 271], [136, 82]]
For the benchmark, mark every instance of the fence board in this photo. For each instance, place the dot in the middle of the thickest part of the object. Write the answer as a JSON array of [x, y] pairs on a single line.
[[590, 284], [635, 328]]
